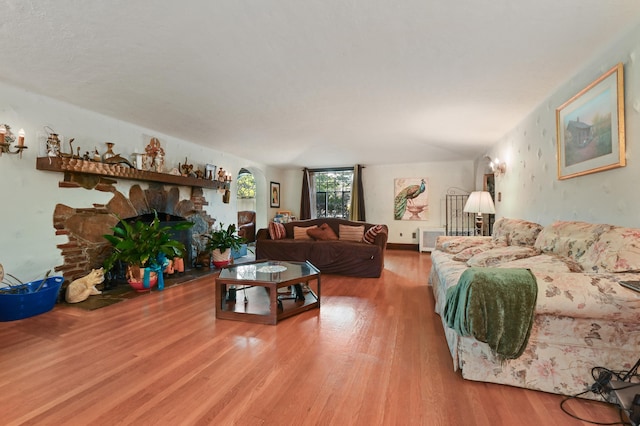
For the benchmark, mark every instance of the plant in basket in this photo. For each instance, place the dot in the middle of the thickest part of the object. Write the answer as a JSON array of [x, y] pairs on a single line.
[[144, 248], [221, 241]]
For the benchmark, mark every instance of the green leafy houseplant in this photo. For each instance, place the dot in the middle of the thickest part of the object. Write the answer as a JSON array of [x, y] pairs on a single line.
[[142, 245], [223, 239]]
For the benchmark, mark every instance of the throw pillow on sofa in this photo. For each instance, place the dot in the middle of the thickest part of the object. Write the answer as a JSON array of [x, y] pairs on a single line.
[[277, 231], [500, 255], [370, 235], [351, 233], [322, 233], [300, 232], [516, 232], [571, 239]]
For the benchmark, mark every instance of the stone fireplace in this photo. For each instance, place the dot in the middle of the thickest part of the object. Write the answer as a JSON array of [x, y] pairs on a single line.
[[85, 227]]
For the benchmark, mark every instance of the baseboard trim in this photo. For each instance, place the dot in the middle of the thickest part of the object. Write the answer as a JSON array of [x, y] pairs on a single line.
[[397, 246]]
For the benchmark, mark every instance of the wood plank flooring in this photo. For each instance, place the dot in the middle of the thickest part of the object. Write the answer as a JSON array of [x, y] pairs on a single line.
[[374, 354]]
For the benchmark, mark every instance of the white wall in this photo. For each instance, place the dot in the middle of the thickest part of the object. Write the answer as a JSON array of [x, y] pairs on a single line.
[[28, 196], [530, 188], [378, 184]]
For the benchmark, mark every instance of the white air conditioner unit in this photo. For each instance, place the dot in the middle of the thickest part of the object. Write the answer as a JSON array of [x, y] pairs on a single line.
[[427, 238]]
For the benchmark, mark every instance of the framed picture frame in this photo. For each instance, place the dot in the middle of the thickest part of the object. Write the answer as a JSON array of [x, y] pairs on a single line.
[[411, 200], [275, 194], [590, 127], [210, 172]]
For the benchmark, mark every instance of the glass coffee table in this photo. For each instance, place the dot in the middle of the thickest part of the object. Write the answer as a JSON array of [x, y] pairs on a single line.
[[267, 291]]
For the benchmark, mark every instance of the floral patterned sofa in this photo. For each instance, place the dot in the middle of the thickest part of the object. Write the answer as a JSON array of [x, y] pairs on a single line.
[[582, 319]]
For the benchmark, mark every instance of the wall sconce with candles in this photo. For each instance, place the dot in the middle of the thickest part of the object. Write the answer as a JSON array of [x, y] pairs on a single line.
[[7, 138], [497, 167], [224, 176]]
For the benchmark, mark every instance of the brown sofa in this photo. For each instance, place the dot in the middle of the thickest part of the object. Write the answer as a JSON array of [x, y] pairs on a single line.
[[341, 257], [247, 225]]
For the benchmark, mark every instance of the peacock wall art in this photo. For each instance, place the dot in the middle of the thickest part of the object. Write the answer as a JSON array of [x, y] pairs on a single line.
[[411, 201]]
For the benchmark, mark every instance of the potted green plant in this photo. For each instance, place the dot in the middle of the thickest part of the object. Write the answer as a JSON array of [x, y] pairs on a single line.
[[144, 248], [221, 241]]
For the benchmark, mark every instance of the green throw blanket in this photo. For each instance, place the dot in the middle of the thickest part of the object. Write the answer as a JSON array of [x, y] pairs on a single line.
[[494, 305]]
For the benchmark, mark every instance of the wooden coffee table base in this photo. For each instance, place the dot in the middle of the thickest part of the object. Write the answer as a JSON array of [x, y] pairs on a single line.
[[261, 302]]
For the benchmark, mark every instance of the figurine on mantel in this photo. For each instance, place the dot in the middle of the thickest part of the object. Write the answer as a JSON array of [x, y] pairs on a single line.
[[156, 154], [53, 143], [187, 169], [109, 153], [111, 157]]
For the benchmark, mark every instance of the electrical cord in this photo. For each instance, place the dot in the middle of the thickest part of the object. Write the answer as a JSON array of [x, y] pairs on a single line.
[[564, 401], [602, 376]]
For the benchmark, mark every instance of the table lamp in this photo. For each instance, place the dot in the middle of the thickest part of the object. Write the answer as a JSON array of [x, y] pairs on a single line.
[[479, 202]]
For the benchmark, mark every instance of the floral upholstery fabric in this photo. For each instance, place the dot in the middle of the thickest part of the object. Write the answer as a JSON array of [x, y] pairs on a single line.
[[559, 358], [582, 319], [468, 253], [542, 263], [451, 244], [617, 250], [500, 255], [570, 239], [516, 232]]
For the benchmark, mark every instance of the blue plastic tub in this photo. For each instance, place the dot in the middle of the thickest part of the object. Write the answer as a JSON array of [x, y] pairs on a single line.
[[240, 252], [27, 302]]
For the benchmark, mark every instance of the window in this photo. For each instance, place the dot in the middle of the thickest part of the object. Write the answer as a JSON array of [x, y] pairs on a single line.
[[246, 184], [333, 192]]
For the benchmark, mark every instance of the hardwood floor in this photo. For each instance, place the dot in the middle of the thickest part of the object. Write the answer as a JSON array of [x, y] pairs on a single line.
[[374, 354]]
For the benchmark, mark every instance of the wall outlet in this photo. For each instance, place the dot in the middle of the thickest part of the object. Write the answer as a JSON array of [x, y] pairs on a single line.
[[401, 234], [413, 235]]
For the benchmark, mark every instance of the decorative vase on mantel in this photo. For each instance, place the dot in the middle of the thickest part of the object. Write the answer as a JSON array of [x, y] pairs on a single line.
[[109, 152]]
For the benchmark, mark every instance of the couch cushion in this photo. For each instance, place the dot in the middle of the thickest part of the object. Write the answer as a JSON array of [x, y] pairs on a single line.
[[515, 232], [544, 263], [351, 233], [246, 216], [455, 244], [322, 233], [331, 257], [570, 239], [468, 253], [300, 232], [617, 250], [277, 231], [500, 255]]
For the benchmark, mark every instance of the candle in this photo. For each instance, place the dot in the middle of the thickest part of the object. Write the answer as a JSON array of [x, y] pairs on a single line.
[[21, 137], [3, 131]]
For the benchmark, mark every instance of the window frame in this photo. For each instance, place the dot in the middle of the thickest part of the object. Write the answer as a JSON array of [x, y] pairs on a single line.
[[338, 191]]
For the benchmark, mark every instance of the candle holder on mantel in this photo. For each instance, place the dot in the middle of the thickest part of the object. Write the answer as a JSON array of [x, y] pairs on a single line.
[[7, 138]]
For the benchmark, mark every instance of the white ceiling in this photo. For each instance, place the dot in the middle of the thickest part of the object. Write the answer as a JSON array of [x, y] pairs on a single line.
[[310, 82]]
